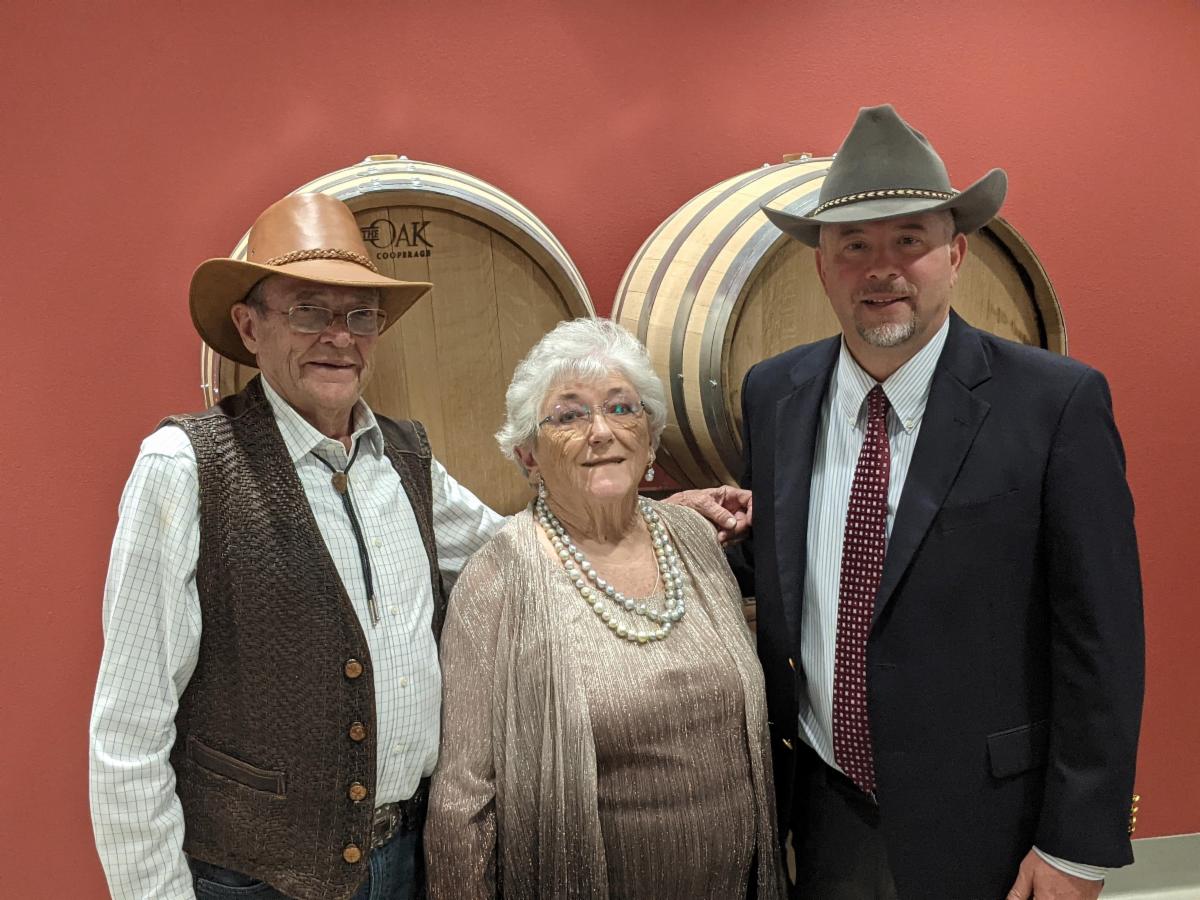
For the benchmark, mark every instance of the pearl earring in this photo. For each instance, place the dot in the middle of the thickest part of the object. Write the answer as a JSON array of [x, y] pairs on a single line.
[[650, 472], [541, 489]]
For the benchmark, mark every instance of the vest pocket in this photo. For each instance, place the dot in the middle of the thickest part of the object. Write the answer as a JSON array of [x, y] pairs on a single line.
[[234, 769], [1020, 749]]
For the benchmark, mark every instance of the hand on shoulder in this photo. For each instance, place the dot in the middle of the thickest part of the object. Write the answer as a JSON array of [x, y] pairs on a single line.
[[728, 508]]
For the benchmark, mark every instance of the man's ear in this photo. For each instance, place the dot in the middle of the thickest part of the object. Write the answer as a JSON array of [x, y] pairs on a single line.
[[247, 325], [958, 252], [820, 265]]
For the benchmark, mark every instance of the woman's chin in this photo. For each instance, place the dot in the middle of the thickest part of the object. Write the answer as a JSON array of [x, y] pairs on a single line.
[[608, 490]]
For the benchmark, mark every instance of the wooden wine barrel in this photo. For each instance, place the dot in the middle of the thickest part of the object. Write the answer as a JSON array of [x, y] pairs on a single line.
[[500, 279], [717, 288]]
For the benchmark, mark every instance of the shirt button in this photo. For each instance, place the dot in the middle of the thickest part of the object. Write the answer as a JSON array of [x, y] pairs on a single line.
[[357, 792], [358, 732], [352, 854], [377, 542], [908, 423], [395, 610], [403, 681], [397, 747], [353, 668]]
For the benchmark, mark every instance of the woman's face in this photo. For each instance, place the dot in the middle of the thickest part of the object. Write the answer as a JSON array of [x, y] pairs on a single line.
[[586, 459]]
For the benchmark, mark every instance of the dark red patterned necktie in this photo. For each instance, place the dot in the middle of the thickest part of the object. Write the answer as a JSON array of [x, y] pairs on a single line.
[[862, 567]]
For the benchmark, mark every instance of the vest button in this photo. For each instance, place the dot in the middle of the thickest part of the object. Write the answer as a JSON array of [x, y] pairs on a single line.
[[353, 668], [358, 732], [357, 792], [351, 854]]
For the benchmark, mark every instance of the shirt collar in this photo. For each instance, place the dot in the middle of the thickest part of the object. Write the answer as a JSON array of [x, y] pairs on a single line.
[[301, 438], [907, 388]]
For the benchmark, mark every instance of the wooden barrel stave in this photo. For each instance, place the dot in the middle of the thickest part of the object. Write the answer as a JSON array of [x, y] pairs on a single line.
[[373, 177], [731, 219]]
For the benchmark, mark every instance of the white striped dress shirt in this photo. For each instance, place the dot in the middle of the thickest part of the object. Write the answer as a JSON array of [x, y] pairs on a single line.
[[152, 629], [839, 440]]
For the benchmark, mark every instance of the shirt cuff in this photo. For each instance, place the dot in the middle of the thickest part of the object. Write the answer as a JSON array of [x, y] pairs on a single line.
[[1079, 870]]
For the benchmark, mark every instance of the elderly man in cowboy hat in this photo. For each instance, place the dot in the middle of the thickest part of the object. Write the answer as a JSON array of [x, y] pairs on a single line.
[[267, 709], [949, 598], [266, 712]]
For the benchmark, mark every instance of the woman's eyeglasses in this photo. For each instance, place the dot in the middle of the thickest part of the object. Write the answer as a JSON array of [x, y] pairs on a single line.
[[618, 412]]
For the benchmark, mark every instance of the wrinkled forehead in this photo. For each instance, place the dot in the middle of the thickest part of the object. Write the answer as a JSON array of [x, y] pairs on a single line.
[[591, 391], [287, 291]]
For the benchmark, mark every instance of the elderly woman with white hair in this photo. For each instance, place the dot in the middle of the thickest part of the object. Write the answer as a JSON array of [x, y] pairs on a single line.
[[604, 725]]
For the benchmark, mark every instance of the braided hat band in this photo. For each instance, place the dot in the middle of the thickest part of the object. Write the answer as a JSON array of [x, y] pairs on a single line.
[[881, 195], [331, 253]]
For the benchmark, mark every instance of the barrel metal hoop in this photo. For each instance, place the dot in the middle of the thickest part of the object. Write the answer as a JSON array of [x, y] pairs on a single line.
[[688, 300], [643, 327]]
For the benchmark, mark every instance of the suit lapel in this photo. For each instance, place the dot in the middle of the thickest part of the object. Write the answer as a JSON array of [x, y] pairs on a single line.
[[797, 418], [953, 416]]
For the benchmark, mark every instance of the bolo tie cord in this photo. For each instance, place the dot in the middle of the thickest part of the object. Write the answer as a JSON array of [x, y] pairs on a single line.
[[341, 484]]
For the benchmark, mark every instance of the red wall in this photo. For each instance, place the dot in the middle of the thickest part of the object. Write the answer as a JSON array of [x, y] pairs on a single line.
[[139, 139]]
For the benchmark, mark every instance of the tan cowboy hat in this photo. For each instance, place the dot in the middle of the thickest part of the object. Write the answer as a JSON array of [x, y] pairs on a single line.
[[884, 169], [312, 237]]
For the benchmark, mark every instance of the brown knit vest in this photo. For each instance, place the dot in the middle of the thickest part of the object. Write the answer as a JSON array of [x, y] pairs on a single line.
[[278, 719]]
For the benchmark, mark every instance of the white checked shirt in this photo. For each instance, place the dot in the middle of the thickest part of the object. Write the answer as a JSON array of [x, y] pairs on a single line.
[[839, 440], [152, 629]]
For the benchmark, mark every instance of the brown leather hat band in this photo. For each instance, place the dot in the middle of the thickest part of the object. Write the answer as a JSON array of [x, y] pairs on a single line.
[[882, 195], [302, 255]]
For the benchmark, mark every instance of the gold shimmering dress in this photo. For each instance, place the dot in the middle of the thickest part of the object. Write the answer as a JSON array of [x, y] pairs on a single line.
[[578, 765]]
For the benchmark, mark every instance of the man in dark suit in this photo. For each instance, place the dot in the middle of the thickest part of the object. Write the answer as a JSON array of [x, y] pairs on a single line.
[[943, 551]]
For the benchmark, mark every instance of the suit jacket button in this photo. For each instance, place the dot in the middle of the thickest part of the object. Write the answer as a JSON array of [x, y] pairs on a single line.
[[357, 792], [353, 668], [358, 732], [352, 854]]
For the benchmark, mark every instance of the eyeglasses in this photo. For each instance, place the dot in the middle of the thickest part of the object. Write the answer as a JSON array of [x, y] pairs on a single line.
[[578, 416], [315, 319]]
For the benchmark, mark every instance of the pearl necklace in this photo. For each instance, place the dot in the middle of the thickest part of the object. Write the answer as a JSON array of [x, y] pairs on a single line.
[[581, 572]]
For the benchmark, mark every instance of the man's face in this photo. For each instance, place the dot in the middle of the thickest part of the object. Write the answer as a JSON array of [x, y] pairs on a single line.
[[890, 282], [320, 375]]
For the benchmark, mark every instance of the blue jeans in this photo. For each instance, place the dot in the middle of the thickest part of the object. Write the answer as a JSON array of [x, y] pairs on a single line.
[[394, 873]]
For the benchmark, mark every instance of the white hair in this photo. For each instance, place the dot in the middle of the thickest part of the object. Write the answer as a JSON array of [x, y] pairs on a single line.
[[584, 349]]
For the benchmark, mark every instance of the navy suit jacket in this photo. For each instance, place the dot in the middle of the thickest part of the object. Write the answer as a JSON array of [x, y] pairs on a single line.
[[1005, 658]]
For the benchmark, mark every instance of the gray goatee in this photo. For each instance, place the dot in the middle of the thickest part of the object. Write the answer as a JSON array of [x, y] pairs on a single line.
[[891, 334]]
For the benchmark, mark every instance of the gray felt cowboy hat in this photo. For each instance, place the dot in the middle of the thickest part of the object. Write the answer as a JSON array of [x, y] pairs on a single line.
[[312, 237], [886, 168]]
